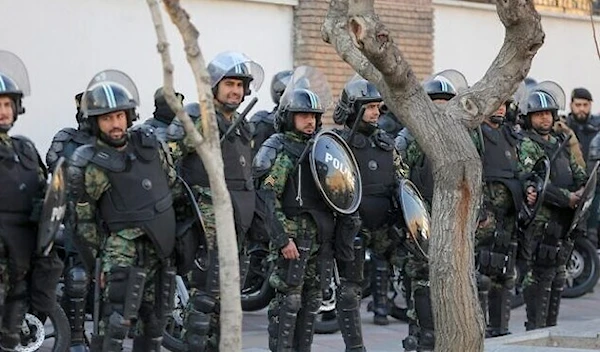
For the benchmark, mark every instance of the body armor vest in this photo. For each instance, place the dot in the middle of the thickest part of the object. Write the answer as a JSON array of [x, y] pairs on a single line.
[[561, 174], [500, 157], [237, 160], [301, 196], [500, 161], [139, 195], [19, 178], [376, 163]]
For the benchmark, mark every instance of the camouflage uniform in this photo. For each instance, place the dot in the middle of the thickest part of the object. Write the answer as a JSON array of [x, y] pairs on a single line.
[[496, 237], [142, 278], [298, 283], [205, 285], [549, 249], [27, 280]]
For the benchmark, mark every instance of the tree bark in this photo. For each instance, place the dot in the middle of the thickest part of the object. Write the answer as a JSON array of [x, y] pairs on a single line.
[[360, 38], [208, 147]]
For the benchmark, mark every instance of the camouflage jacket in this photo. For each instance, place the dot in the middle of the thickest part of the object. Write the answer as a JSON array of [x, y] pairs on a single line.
[[530, 151]]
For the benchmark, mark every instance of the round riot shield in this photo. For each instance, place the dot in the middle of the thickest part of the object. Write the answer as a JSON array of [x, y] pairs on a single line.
[[235, 63], [54, 207], [109, 90], [336, 172], [538, 177], [416, 218], [587, 197], [15, 77]]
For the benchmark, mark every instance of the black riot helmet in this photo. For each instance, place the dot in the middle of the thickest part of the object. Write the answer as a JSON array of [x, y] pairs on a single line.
[[356, 93], [544, 96], [301, 100], [109, 91], [445, 85], [231, 64], [439, 89], [278, 84], [14, 83], [9, 88]]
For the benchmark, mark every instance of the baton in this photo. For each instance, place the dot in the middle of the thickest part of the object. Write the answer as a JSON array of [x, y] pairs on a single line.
[[240, 118]]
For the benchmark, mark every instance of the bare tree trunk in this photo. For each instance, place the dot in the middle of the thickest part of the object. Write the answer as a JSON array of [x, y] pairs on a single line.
[[208, 148], [360, 38]]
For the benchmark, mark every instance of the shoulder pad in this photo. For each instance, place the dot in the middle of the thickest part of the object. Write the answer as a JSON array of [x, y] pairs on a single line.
[[266, 155], [64, 135], [24, 140], [383, 140], [260, 116], [82, 155]]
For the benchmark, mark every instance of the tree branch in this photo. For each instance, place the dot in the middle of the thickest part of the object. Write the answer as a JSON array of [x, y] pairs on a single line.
[[163, 49], [208, 147], [523, 37]]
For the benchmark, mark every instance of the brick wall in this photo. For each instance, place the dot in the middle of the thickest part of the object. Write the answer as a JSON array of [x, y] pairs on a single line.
[[409, 21]]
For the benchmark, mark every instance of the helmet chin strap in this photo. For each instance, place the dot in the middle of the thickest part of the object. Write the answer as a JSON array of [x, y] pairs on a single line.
[[543, 131]]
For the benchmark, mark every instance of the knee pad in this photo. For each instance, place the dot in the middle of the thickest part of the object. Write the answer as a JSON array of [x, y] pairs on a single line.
[[348, 296], [76, 282], [292, 302], [125, 290]]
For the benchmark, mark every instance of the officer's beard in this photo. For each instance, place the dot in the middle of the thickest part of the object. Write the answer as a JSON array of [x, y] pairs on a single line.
[[113, 142], [542, 131], [367, 128], [5, 128]]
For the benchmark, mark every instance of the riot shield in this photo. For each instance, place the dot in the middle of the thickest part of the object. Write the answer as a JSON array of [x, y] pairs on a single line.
[[539, 176], [587, 197], [192, 245], [53, 210], [14, 69], [336, 172], [416, 219]]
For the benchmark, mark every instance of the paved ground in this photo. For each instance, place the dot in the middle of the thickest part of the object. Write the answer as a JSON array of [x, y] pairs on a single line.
[[389, 338]]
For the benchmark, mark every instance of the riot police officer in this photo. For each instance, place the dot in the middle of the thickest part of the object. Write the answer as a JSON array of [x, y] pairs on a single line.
[[421, 329], [302, 224], [550, 248], [380, 168], [123, 182], [263, 120], [163, 116], [232, 76], [64, 143], [23, 179], [496, 247]]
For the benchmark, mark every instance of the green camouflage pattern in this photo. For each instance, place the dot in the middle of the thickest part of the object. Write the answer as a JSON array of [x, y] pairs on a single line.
[[497, 198], [529, 152]]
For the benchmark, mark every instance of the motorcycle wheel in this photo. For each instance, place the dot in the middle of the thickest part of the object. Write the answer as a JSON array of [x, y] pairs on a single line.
[[257, 293], [54, 333], [583, 269], [517, 298], [326, 321]]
